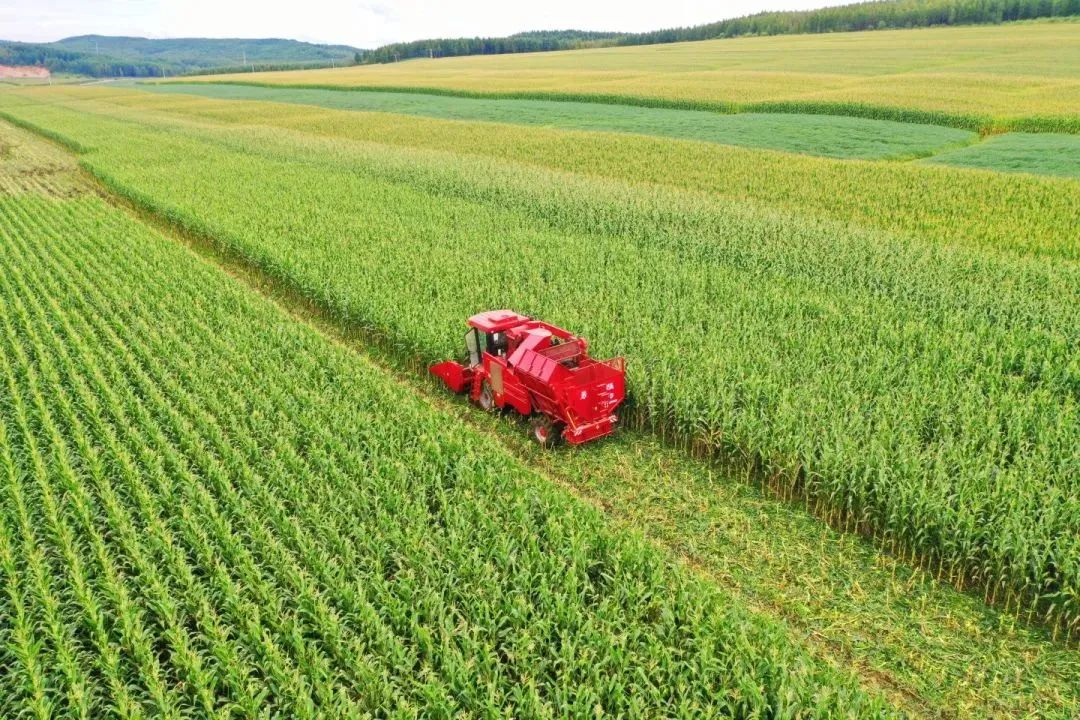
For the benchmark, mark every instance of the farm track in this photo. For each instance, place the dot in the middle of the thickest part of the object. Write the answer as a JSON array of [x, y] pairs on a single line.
[[887, 662]]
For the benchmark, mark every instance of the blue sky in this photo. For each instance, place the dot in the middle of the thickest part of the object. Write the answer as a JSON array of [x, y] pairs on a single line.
[[363, 23]]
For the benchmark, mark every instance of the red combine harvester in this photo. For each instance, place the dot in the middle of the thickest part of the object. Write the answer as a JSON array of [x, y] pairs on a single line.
[[541, 371]]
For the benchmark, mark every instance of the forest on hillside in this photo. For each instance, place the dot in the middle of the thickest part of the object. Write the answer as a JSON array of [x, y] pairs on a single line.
[[111, 56], [873, 15]]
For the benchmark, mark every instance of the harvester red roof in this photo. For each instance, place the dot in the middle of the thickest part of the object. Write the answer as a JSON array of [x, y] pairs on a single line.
[[496, 320]]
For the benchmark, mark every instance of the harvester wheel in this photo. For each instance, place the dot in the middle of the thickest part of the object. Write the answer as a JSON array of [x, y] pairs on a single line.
[[487, 397], [544, 431]]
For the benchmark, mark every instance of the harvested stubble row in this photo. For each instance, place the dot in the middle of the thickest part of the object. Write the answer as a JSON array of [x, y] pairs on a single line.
[[210, 510], [927, 394]]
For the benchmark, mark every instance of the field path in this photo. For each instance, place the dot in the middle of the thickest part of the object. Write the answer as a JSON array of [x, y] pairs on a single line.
[[933, 651]]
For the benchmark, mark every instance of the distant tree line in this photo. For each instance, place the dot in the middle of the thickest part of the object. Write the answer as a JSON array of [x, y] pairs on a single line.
[[874, 15], [536, 41], [266, 67], [58, 60], [140, 57]]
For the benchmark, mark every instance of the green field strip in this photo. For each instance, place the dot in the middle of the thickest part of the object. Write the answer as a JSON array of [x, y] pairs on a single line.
[[933, 651], [937, 673], [1041, 154], [823, 135], [242, 517]]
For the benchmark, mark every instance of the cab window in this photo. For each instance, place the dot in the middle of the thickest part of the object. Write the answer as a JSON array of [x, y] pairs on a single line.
[[472, 346], [496, 344]]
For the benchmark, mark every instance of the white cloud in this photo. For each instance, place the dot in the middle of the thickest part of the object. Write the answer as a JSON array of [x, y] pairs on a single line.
[[363, 23]]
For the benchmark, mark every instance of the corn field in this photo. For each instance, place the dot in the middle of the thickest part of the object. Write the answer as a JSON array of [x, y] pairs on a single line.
[[211, 510], [913, 390]]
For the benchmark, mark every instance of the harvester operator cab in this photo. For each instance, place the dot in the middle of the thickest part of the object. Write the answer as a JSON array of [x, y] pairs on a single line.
[[477, 343]]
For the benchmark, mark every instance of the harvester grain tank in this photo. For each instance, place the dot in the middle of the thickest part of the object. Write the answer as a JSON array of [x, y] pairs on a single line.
[[542, 372]]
